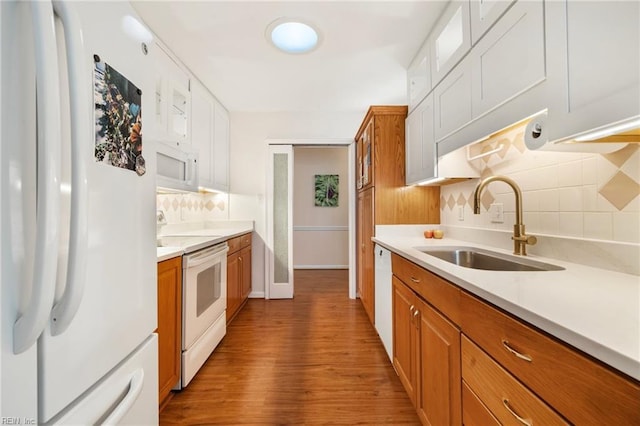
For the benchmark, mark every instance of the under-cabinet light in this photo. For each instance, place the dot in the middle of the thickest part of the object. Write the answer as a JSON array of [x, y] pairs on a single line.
[[608, 131]]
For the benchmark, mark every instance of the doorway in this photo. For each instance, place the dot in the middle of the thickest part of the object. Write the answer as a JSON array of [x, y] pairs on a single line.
[[327, 221]]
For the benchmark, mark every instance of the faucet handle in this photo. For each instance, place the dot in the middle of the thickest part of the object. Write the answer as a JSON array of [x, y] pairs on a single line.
[[527, 239]]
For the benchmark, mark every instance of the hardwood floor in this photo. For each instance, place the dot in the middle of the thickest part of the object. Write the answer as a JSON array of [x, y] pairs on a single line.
[[314, 359]]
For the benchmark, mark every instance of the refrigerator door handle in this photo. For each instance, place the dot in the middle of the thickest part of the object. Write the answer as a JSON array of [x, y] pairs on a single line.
[[30, 324], [81, 131], [135, 387]]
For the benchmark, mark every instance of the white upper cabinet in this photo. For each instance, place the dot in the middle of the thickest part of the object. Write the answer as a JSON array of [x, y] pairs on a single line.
[[420, 143], [202, 131], [221, 140], [510, 59], [452, 101], [450, 39], [594, 65], [419, 76], [173, 100], [484, 13], [210, 136]]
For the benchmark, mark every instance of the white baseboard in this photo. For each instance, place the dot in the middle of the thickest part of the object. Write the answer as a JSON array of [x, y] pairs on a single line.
[[256, 295]]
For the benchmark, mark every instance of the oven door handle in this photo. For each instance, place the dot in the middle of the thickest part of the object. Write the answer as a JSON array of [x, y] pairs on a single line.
[[205, 256]]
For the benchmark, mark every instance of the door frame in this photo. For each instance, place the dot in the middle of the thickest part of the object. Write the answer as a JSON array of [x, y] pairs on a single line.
[[350, 145]]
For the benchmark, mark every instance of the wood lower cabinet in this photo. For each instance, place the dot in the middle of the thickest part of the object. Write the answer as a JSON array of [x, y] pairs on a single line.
[[365, 232], [169, 325], [427, 357], [582, 390], [383, 198], [462, 360], [501, 393], [238, 274]]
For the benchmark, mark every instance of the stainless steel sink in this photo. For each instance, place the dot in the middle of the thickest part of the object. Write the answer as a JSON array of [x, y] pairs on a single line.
[[476, 258]]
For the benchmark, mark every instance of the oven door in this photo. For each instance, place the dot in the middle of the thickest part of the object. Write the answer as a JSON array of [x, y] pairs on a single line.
[[204, 291]]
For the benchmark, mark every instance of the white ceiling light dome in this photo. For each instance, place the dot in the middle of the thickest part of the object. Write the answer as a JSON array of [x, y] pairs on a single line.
[[293, 36]]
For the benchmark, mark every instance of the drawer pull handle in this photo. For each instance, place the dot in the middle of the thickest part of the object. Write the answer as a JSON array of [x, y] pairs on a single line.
[[411, 309], [526, 422], [415, 280], [527, 358], [415, 313]]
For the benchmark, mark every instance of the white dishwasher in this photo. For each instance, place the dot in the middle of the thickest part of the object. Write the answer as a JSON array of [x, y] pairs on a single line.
[[383, 298]]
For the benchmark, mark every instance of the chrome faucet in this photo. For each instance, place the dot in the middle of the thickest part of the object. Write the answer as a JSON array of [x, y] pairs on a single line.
[[520, 238]]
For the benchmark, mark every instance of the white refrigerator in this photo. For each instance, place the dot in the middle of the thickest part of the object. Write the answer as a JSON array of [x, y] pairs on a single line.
[[77, 208]]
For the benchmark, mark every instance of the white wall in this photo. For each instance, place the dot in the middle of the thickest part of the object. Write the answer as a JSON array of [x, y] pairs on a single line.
[[320, 234], [249, 132]]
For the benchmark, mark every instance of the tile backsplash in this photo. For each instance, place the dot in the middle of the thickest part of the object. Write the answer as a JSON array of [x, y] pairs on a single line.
[[591, 196], [193, 207]]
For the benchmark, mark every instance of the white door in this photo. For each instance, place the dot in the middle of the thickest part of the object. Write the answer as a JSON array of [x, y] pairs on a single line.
[[279, 262]]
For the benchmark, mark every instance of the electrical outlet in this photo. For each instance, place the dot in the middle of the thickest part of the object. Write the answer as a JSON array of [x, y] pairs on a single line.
[[496, 212], [461, 213]]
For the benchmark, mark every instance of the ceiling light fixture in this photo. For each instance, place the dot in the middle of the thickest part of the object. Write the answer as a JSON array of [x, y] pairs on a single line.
[[292, 36]]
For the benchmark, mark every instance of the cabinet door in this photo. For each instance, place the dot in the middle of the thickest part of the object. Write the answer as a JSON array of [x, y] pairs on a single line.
[[366, 231], [169, 324], [594, 65], [484, 13], [439, 400], [509, 60], [245, 265], [404, 337], [450, 39], [233, 284], [420, 143], [368, 148], [221, 141], [419, 76], [452, 101], [359, 163], [202, 132]]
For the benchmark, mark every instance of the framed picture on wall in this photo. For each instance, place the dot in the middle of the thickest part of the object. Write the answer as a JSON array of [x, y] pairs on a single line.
[[326, 190]]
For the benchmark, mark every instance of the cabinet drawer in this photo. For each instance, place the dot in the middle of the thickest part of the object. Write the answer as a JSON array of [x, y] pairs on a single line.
[[245, 240], [502, 394], [474, 412], [438, 292], [234, 244], [582, 390]]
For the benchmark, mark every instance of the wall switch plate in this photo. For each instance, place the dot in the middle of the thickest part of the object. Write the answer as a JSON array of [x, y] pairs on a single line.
[[496, 212], [461, 213]]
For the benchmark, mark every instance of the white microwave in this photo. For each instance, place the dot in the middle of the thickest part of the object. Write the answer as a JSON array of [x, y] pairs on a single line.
[[177, 167]]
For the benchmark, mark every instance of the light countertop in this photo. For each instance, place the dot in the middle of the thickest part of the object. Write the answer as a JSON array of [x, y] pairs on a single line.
[[166, 253], [592, 309], [217, 234]]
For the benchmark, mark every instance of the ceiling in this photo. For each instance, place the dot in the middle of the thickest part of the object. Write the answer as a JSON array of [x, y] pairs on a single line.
[[362, 58]]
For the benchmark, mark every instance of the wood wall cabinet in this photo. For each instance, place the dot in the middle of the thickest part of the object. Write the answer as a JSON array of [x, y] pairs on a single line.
[[238, 274], [463, 360], [169, 325], [380, 168]]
